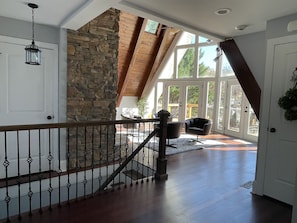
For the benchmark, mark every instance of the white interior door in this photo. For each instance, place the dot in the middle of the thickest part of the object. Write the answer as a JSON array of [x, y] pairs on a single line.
[[27, 96], [281, 151]]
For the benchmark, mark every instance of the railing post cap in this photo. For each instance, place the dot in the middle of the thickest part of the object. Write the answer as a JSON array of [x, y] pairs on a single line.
[[163, 113]]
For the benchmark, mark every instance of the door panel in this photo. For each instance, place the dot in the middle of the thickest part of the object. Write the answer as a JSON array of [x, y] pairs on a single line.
[[281, 155], [192, 101], [234, 109], [26, 97]]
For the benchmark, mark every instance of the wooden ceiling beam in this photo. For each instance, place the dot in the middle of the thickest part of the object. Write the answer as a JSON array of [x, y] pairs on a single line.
[[153, 61], [243, 74], [123, 81], [172, 35]]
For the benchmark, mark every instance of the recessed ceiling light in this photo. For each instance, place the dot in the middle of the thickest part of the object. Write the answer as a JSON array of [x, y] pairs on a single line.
[[241, 27], [222, 11]]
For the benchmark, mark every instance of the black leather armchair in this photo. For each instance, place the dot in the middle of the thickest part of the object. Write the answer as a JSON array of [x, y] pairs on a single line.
[[198, 126], [173, 132]]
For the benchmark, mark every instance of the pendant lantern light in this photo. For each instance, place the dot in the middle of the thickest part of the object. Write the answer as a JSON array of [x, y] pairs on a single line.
[[33, 53]]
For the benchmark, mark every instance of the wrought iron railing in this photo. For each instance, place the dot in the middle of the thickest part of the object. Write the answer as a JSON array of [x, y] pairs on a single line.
[[51, 164]]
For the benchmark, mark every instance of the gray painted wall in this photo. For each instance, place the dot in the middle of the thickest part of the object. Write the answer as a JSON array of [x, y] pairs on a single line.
[[278, 27], [253, 46], [253, 49], [23, 30]]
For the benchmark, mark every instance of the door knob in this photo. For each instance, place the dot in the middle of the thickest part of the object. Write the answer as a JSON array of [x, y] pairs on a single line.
[[272, 130], [49, 117]]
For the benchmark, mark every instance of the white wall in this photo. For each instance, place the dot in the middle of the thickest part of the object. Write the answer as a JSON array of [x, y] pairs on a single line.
[[127, 103], [253, 46], [253, 49]]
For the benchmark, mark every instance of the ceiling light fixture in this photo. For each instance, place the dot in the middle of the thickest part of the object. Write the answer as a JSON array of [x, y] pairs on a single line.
[[222, 11], [33, 53], [241, 27]]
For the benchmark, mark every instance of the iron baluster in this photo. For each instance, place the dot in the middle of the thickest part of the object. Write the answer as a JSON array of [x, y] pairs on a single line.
[[126, 156], [19, 181], [39, 170], [29, 160], [106, 147], [6, 164], [85, 161], [100, 156], [113, 161], [68, 166], [92, 162], [59, 166], [50, 158]]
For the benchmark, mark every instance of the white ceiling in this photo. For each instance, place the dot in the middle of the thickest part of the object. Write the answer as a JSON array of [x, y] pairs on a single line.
[[190, 15]]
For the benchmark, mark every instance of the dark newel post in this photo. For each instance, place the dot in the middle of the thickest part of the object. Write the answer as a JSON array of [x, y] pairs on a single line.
[[161, 173]]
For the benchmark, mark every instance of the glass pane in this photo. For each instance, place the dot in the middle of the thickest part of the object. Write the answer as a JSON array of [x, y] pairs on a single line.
[[159, 96], [226, 67], [186, 38], [222, 101], [207, 66], [185, 61], [192, 102], [151, 26], [253, 128], [204, 40], [173, 101], [167, 72], [235, 108], [210, 99], [151, 104]]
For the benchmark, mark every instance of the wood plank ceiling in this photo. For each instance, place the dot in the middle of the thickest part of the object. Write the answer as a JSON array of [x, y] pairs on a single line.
[[140, 54]]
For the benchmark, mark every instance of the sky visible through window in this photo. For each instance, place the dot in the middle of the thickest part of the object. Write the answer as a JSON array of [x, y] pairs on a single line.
[[209, 51], [151, 26]]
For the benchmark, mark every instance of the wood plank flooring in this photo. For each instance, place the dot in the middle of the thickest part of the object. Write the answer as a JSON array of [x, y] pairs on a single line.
[[204, 186]]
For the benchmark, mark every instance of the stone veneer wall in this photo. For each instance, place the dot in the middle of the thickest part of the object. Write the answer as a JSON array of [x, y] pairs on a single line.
[[93, 69], [92, 82]]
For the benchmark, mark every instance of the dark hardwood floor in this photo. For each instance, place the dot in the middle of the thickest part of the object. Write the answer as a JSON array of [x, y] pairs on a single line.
[[204, 186]]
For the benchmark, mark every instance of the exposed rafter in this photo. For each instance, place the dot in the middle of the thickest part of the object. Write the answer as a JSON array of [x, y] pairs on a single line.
[[168, 44], [123, 80]]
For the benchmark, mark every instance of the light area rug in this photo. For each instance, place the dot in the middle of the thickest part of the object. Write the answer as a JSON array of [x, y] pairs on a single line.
[[184, 144]]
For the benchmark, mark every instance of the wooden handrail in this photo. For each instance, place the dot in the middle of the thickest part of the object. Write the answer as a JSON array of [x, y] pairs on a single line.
[[71, 124]]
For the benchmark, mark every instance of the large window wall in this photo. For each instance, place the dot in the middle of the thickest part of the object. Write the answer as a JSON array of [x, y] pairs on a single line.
[[196, 82], [186, 85]]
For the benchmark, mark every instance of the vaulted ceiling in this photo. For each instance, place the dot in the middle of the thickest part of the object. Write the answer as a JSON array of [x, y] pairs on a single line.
[[140, 54]]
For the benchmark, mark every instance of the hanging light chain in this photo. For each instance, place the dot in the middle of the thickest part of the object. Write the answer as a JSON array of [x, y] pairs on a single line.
[[33, 25]]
